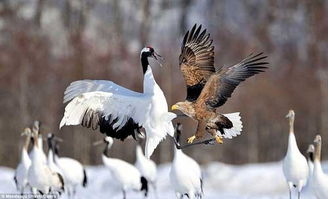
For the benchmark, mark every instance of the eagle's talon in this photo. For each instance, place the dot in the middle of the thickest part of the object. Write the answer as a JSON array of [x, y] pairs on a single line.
[[219, 139], [191, 139]]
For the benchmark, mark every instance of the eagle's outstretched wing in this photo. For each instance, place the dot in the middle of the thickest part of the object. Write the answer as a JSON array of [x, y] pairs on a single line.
[[196, 60], [221, 85]]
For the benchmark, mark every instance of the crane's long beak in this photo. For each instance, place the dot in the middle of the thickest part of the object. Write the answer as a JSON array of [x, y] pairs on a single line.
[[58, 139], [96, 143], [26, 132], [158, 58], [140, 135], [290, 114], [317, 139], [310, 149]]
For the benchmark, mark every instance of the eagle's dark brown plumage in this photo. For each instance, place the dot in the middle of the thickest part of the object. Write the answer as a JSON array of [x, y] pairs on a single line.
[[196, 61], [208, 88]]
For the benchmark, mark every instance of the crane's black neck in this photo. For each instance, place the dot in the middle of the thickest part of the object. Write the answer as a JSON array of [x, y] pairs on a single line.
[[311, 156], [106, 150], [178, 135], [144, 62], [56, 149], [50, 145]]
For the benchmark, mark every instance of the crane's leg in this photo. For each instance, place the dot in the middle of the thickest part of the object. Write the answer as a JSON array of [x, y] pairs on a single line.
[[290, 186], [69, 192], [74, 192], [34, 192], [299, 188], [191, 195], [155, 189], [178, 195], [124, 194]]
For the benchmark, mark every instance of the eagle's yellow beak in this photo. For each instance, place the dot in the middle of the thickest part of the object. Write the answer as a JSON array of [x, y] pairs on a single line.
[[174, 107]]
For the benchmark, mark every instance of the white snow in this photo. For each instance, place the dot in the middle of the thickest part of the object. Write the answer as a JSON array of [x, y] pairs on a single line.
[[224, 181]]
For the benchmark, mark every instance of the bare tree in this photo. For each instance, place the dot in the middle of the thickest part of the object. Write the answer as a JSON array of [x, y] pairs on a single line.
[[145, 22], [39, 12], [184, 4]]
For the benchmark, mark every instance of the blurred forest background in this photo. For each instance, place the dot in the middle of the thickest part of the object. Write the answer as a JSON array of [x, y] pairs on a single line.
[[46, 44]]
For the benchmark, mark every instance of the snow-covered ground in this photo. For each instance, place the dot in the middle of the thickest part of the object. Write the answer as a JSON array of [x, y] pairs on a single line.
[[223, 181]]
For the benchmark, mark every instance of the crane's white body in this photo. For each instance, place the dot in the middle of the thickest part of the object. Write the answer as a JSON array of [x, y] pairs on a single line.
[[146, 166], [41, 153], [21, 173], [185, 176], [125, 174], [295, 166], [311, 167], [319, 180], [149, 109], [51, 163], [308, 189], [72, 171], [40, 175]]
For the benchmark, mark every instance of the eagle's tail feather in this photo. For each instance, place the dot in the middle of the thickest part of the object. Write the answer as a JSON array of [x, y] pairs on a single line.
[[236, 128]]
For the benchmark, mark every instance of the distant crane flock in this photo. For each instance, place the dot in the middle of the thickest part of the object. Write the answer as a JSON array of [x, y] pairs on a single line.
[[119, 113], [300, 172], [44, 175]]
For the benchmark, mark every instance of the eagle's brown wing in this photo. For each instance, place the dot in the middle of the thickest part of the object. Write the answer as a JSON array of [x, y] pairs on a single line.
[[196, 60], [221, 85]]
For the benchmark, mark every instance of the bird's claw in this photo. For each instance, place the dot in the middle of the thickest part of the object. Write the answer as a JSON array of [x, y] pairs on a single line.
[[191, 139], [219, 139]]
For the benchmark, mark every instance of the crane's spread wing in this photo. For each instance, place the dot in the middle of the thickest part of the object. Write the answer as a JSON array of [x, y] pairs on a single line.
[[117, 111], [224, 82], [83, 86], [196, 60]]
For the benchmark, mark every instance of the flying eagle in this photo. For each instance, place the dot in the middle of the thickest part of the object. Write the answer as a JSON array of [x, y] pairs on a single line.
[[209, 88]]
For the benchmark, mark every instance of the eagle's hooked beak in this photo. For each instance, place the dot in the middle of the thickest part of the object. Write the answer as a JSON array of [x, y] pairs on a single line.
[[174, 107]]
